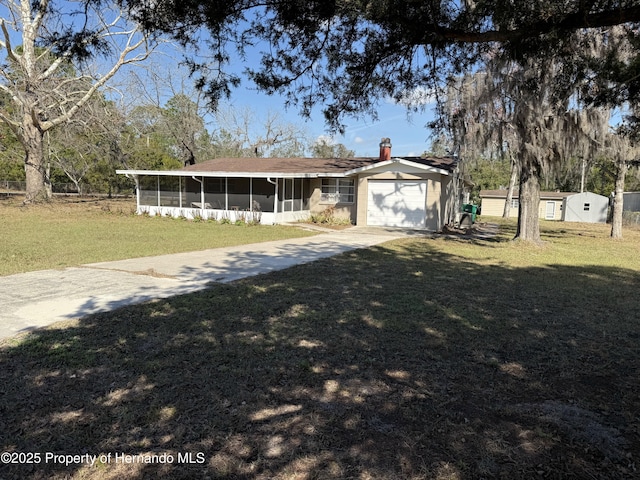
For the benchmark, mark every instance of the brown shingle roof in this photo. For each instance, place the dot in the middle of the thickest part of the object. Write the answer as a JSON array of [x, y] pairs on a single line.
[[304, 165], [281, 165]]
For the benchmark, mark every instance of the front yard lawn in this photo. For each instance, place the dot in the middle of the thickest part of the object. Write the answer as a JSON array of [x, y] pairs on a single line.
[[73, 231], [446, 358]]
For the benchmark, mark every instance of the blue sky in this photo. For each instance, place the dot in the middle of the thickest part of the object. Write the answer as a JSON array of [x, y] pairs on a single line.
[[407, 129], [408, 132]]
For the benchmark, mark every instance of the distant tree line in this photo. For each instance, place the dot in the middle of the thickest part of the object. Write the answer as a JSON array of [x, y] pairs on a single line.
[[106, 135]]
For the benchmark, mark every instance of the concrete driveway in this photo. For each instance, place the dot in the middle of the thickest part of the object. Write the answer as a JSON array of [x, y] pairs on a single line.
[[36, 299]]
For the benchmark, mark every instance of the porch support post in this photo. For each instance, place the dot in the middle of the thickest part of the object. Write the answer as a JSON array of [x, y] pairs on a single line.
[[201, 192], [202, 195], [136, 179], [275, 198], [179, 192], [226, 193], [158, 187]]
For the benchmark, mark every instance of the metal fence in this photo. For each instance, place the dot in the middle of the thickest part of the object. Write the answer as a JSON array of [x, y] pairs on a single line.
[[20, 187], [17, 187], [630, 218], [10, 186]]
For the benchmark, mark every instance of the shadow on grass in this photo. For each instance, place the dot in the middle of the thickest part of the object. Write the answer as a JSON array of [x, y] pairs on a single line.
[[393, 362]]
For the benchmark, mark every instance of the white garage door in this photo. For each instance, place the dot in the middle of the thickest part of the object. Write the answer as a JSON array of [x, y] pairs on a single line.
[[397, 203]]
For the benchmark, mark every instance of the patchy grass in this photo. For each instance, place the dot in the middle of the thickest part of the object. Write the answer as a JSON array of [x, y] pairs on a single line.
[[72, 231], [446, 358]]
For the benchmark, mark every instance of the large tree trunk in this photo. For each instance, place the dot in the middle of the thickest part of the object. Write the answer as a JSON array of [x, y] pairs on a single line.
[[38, 183], [618, 198], [528, 221]]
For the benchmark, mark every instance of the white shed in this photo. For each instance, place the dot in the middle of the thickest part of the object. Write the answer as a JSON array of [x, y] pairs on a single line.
[[585, 207]]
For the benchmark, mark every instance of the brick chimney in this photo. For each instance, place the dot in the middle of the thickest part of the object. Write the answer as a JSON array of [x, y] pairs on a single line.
[[385, 149]]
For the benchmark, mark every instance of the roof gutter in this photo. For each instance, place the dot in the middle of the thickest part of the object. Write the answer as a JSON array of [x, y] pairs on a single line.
[[275, 200], [266, 175], [201, 182]]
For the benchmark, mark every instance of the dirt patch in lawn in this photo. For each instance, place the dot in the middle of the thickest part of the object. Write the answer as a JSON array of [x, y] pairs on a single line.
[[407, 360]]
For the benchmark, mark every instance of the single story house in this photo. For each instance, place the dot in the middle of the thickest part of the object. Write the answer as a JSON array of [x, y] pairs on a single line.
[[551, 203], [585, 207], [414, 192]]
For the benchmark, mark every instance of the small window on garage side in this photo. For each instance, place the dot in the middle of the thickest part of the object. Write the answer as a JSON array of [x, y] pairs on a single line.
[[587, 206], [337, 190], [515, 203]]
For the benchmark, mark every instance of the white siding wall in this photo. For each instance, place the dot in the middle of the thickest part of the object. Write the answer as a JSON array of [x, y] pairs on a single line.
[[586, 207]]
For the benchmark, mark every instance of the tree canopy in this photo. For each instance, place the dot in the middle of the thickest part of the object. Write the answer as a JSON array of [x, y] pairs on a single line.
[[346, 55]]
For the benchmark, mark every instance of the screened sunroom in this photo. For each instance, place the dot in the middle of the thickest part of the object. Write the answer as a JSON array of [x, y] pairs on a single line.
[[252, 199]]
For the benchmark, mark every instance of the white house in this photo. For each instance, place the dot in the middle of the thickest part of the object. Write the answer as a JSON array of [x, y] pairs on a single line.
[[414, 192]]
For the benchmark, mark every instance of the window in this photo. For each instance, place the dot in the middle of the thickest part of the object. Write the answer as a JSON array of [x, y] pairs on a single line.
[[346, 188], [514, 203], [338, 190], [587, 206]]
